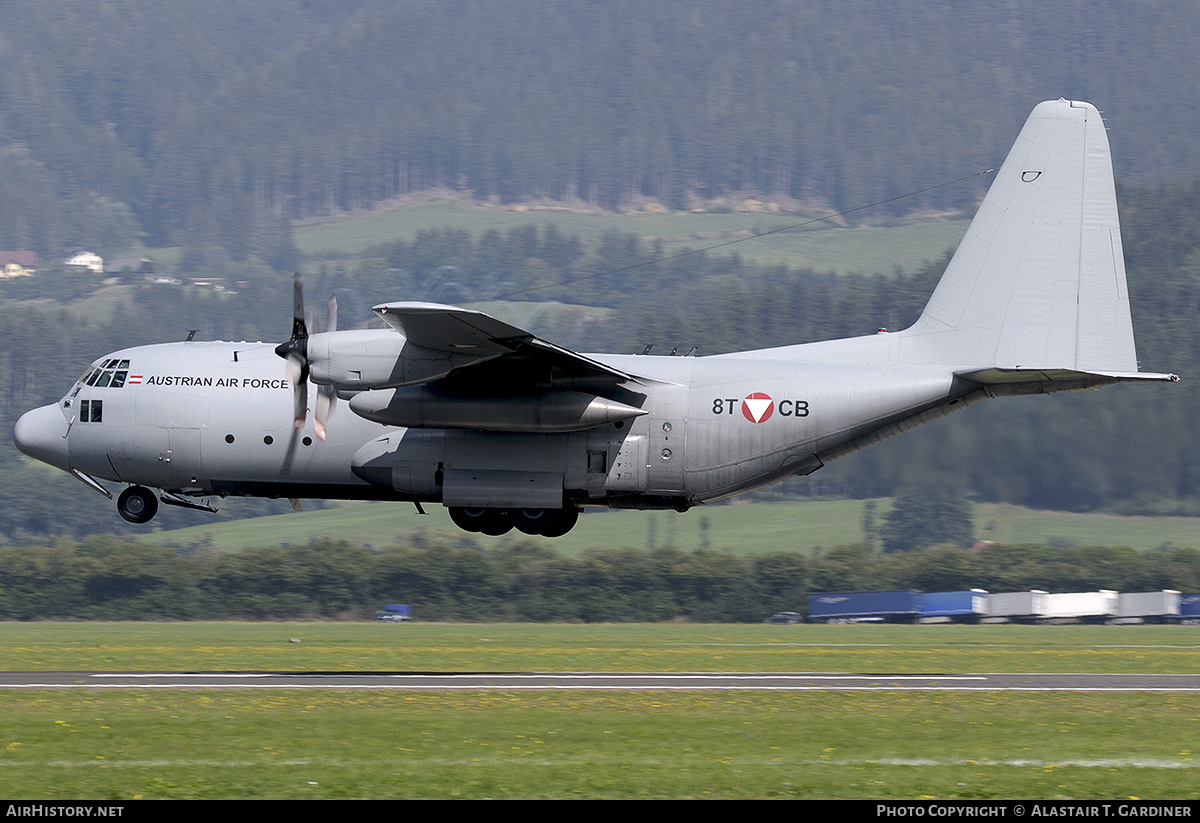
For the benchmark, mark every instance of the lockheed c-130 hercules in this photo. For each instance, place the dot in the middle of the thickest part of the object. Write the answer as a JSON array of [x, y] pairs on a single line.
[[506, 430]]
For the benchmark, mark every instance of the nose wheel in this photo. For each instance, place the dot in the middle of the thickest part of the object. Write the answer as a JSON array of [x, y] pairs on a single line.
[[137, 504]]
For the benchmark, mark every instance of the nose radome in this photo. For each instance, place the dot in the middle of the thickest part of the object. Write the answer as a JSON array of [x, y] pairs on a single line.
[[42, 434]]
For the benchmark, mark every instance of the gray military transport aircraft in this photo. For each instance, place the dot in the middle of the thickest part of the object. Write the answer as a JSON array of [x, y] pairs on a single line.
[[506, 430]]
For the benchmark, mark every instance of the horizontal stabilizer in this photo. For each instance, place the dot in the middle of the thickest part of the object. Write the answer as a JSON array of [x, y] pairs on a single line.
[[1044, 381]]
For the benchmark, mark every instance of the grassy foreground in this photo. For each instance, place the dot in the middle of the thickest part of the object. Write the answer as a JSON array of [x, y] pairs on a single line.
[[327, 744], [130, 745]]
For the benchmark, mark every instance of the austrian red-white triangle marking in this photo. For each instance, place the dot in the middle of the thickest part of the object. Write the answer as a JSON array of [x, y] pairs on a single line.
[[757, 407]]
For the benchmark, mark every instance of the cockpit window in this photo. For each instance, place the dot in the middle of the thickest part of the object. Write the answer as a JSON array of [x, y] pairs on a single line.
[[109, 374]]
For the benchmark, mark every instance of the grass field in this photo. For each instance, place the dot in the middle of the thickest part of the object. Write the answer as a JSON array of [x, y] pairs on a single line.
[[569, 744], [613, 647], [377, 745], [738, 528], [821, 246]]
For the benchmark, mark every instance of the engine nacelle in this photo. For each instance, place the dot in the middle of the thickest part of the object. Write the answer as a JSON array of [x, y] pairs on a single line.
[[360, 359], [424, 407]]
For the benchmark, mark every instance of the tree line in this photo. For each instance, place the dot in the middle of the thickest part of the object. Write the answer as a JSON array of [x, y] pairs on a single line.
[[104, 578]]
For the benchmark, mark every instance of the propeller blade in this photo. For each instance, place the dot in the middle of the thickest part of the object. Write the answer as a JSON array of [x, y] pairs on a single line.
[[326, 403], [290, 455], [300, 403], [299, 330], [326, 395]]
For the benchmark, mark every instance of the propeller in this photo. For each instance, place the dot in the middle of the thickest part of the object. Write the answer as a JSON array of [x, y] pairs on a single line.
[[295, 352]]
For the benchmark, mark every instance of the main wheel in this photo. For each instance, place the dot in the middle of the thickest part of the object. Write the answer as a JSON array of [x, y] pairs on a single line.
[[494, 522], [499, 521], [533, 521], [137, 504], [562, 522], [469, 520]]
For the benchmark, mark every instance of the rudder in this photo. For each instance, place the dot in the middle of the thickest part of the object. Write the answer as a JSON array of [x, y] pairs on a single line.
[[1039, 278]]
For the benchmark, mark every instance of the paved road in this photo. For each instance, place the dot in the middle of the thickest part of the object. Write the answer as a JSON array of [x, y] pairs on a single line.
[[517, 681]]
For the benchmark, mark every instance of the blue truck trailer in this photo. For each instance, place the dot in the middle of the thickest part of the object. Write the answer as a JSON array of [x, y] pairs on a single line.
[[954, 607], [856, 607], [1189, 610]]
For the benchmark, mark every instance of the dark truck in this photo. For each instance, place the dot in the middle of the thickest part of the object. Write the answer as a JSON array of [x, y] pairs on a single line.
[[394, 613]]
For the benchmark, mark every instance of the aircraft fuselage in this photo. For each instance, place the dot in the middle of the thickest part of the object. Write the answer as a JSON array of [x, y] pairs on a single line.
[[214, 418]]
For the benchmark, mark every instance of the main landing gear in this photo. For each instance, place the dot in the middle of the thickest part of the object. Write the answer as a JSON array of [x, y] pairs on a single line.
[[544, 522], [137, 504]]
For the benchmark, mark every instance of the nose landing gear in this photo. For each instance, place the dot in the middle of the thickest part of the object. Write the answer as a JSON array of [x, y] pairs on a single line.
[[137, 504]]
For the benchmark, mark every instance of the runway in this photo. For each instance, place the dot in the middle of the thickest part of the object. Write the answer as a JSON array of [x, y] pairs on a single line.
[[605, 681]]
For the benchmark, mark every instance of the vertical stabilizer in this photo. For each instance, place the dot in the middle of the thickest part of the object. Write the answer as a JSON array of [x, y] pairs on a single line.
[[1039, 279]]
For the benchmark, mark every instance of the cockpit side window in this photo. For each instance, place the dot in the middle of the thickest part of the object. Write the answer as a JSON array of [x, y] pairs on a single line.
[[91, 411]]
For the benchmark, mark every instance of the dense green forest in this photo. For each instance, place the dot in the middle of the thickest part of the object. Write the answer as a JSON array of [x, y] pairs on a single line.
[[106, 579], [213, 124]]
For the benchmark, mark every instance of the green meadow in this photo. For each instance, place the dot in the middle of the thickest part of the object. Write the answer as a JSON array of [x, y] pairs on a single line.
[[739, 528], [609, 647], [823, 245], [264, 743]]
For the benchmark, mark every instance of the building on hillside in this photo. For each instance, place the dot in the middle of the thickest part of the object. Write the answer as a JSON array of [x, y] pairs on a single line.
[[134, 267], [17, 263], [84, 259]]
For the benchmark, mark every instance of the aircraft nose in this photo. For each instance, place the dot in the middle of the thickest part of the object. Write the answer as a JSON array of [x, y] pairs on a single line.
[[42, 434]]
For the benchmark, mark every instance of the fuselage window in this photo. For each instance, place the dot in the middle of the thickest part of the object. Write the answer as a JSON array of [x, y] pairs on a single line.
[[97, 410]]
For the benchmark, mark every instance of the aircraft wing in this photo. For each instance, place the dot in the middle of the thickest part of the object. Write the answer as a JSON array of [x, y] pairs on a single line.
[[462, 331]]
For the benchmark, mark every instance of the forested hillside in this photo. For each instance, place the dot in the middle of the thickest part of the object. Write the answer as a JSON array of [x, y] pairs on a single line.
[[212, 124]]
